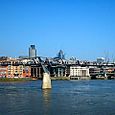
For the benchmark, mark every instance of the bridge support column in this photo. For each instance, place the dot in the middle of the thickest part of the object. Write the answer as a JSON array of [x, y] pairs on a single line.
[[46, 83]]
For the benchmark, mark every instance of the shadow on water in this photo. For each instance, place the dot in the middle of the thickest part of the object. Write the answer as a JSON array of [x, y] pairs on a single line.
[[46, 101]]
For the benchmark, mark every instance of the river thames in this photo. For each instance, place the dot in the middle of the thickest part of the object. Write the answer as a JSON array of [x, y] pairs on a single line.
[[85, 97]]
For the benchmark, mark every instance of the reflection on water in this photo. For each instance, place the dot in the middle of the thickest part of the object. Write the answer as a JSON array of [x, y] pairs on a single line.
[[46, 100], [46, 95]]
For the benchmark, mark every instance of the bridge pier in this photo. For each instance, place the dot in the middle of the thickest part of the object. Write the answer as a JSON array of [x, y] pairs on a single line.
[[46, 83]]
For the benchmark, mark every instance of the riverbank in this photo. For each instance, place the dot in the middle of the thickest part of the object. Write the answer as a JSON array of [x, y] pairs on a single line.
[[33, 79], [60, 78], [30, 79], [16, 79]]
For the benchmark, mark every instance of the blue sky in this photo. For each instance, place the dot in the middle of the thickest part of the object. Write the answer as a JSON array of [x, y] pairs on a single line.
[[81, 28]]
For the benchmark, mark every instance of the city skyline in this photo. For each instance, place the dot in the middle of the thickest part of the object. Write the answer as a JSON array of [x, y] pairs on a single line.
[[82, 28]]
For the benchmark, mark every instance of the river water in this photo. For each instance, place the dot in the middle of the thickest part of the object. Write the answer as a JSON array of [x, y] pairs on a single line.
[[86, 97]]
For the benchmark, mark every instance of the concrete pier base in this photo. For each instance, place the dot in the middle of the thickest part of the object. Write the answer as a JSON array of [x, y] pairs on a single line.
[[46, 83]]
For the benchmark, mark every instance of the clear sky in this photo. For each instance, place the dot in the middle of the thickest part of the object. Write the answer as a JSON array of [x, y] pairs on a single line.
[[81, 28]]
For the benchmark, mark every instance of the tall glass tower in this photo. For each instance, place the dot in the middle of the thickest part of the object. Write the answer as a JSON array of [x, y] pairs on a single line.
[[32, 51], [61, 55]]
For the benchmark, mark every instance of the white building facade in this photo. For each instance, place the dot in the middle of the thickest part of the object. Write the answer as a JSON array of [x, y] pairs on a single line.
[[79, 72]]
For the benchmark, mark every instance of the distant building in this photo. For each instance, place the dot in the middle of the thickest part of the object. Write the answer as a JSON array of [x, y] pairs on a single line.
[[12, 71], [23, 57], [57, 71], [32, 51], [77, 72], [61, 55], [37, 71], [3, 71], [94, 71], [100, 60], [72, 60], [3, 58]]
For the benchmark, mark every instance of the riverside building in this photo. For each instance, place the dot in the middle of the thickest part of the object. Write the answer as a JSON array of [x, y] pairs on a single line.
[[78, 72], [11, 71]]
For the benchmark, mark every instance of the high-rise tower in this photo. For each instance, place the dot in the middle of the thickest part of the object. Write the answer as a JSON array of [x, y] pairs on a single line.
[[61, 55], [32, 51]]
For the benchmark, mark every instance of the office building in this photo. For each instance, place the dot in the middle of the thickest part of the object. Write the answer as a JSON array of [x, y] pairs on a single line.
[[100, 60], [61, 55], [32, 51]]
